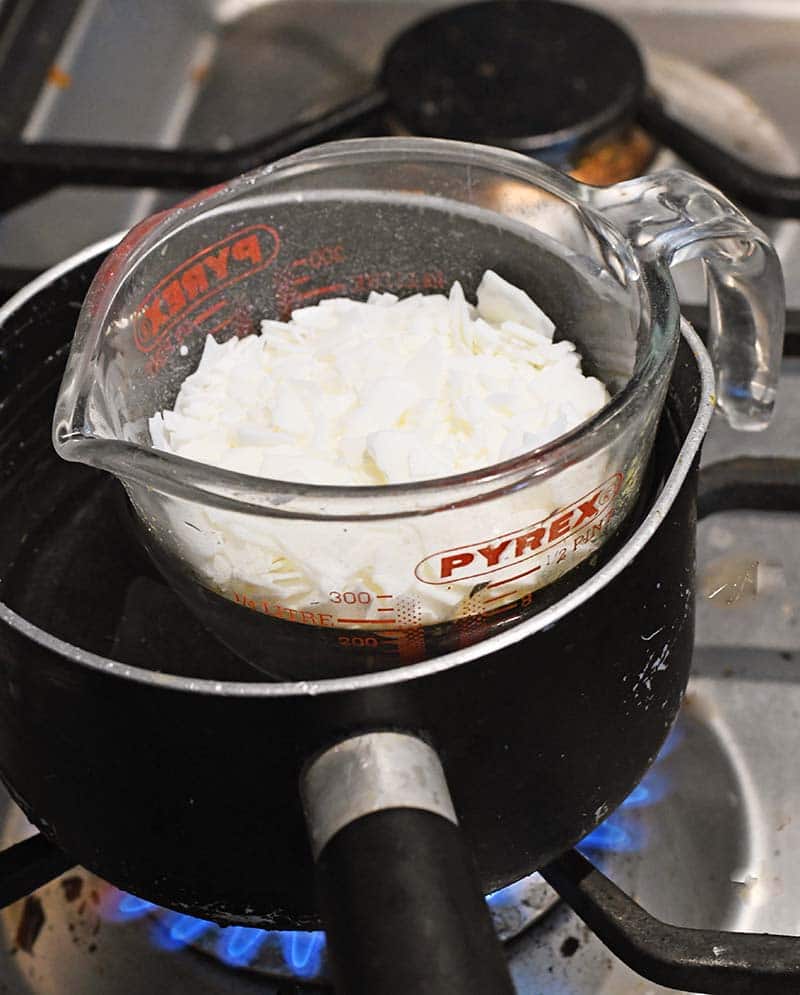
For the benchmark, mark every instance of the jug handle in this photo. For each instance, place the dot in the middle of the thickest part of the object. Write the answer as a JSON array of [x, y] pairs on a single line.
[[671, 216], [397, 884]]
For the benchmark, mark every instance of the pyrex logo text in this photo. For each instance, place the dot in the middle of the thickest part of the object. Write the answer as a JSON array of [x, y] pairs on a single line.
[[200, 278], [480, 558]]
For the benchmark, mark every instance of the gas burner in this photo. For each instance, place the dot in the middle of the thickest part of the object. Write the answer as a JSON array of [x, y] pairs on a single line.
[[537, 76], [282, 954], [653, 845]]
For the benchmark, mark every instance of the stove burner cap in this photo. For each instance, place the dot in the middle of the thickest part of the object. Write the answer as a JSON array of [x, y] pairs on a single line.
[[532, 75]]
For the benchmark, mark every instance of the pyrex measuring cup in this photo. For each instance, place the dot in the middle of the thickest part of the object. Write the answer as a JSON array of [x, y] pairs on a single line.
[[373, 577]]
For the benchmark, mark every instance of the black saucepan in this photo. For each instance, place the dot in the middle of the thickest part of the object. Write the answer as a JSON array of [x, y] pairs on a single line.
[[186, 792]]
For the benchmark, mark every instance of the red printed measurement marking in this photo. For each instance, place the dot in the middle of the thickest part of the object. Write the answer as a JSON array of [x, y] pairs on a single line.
[[499, 583], [389, 280], [367, 621], [304, 615], [219, 327], [332, 288], [322, 256], [350, 597], [386, 609], [498, 597], [492, 612], [287, 294], [359, 642], [500, 609], [408, 636]]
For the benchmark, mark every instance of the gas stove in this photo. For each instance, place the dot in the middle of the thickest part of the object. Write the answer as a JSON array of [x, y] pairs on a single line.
[[709, 838]]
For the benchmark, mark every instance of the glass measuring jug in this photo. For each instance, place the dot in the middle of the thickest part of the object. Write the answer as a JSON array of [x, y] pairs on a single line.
[[372, 577]]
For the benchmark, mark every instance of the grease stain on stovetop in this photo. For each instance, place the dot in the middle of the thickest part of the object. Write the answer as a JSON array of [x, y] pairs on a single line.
[[30, 923]]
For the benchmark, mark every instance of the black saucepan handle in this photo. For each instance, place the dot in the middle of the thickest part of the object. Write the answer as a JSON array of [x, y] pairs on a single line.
[[768, 193], [398, 890]]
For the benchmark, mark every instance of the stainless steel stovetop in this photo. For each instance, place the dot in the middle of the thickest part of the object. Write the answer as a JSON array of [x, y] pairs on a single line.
[[712, 838]]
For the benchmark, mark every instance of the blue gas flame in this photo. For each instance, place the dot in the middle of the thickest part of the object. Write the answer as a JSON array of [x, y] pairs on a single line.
[[239, 945], [611, 837], [130, 907], [676, 736], [173, 930], [303, 952], [622, 833]]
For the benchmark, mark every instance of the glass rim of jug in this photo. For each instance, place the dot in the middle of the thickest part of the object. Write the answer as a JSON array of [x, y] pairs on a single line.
[[230, 490]]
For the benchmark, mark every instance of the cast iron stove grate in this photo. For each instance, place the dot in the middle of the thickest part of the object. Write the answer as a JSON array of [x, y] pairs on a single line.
[[476, 58]]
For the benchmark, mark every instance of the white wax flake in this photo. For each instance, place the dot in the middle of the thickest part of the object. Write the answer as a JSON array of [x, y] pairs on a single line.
[[382, 391], [500, 301]]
